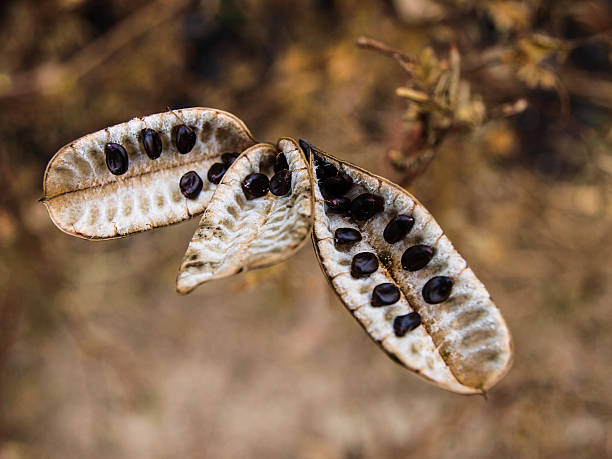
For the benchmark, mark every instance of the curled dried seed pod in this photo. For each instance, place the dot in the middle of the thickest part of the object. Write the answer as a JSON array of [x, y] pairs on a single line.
[[229, 158], [280, 163], [255, 185], [216, 172], [85, 200], [280, 183], [344, 236], [152, 143], [116, 158], [236, 234], [191, 185], [185, 138], [464, 344]]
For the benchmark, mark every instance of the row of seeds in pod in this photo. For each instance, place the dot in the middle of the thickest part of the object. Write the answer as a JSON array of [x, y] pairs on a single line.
[[191, 183], [333, 184]]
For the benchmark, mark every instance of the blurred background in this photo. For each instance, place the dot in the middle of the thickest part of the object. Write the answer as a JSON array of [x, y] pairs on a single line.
[[100, 358]]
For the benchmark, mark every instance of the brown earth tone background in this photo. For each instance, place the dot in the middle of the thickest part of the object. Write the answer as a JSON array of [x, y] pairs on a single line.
[[99, 358]]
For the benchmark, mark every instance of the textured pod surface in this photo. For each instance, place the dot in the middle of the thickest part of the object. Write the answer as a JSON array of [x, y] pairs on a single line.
[[85, 199], [237, 234], [461, 344]]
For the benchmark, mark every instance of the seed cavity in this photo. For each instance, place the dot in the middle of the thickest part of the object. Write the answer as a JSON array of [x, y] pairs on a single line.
[[338, 205], [417, 257], [407, 322], [216, 172], [345, 236], [335, 186], [385, 294], [191, 185], [437, 289], [397, 228], [255, 185], [280, 183], [280, 162], [116, 158], [185, 138], [364, 264], [152, 142], [326, 170], [229, 158], [365, 206]]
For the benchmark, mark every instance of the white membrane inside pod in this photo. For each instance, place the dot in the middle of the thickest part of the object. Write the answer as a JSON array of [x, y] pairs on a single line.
[[463, 343], [85, 199], [238, 234]]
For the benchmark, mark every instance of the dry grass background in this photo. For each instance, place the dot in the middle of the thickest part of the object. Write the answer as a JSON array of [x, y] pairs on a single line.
[[100, 358]]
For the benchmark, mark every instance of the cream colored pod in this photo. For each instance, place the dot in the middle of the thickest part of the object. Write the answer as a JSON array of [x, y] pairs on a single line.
[[126, 178], [401, 278], [245, 228]]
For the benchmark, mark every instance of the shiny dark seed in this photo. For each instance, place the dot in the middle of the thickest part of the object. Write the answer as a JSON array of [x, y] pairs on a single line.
[[280, 163], [116, 158], [335, 186], [326, 170], [437, 289], [417, 257], [344, 236], [191, 185], [305, 146], [365, 206], [185, 138], [397, 228], [280, 183], [229, 158], [152, 143], [364, 264], [216, 172], [255, 185], [338, 205], [384, 294], [404, 324]]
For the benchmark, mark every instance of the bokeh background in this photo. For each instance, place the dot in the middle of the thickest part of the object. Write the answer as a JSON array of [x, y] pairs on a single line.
[[100, 359]]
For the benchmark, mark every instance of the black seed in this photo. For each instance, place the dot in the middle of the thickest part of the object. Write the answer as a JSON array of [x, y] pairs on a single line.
[[417, 257], [437, 289], [365, 206], [335, 186], [185, 138], [216, 172], [152, 143], [338, 205], [255, 185], [229, 158], [397, 228], [384, 294], [305, 146], [280, 183], [191, 185], [364, 264], [280, 163], [346, 236], [404, 324], [116, 158], [326, 170]]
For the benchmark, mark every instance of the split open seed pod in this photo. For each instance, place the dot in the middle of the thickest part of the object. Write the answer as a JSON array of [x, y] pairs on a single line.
[[131, 177], [260, 214], [401, 278]]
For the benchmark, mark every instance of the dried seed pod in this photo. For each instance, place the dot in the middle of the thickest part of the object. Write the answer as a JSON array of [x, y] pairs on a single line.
[[237, 234], [447, 331], [85, 199]]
